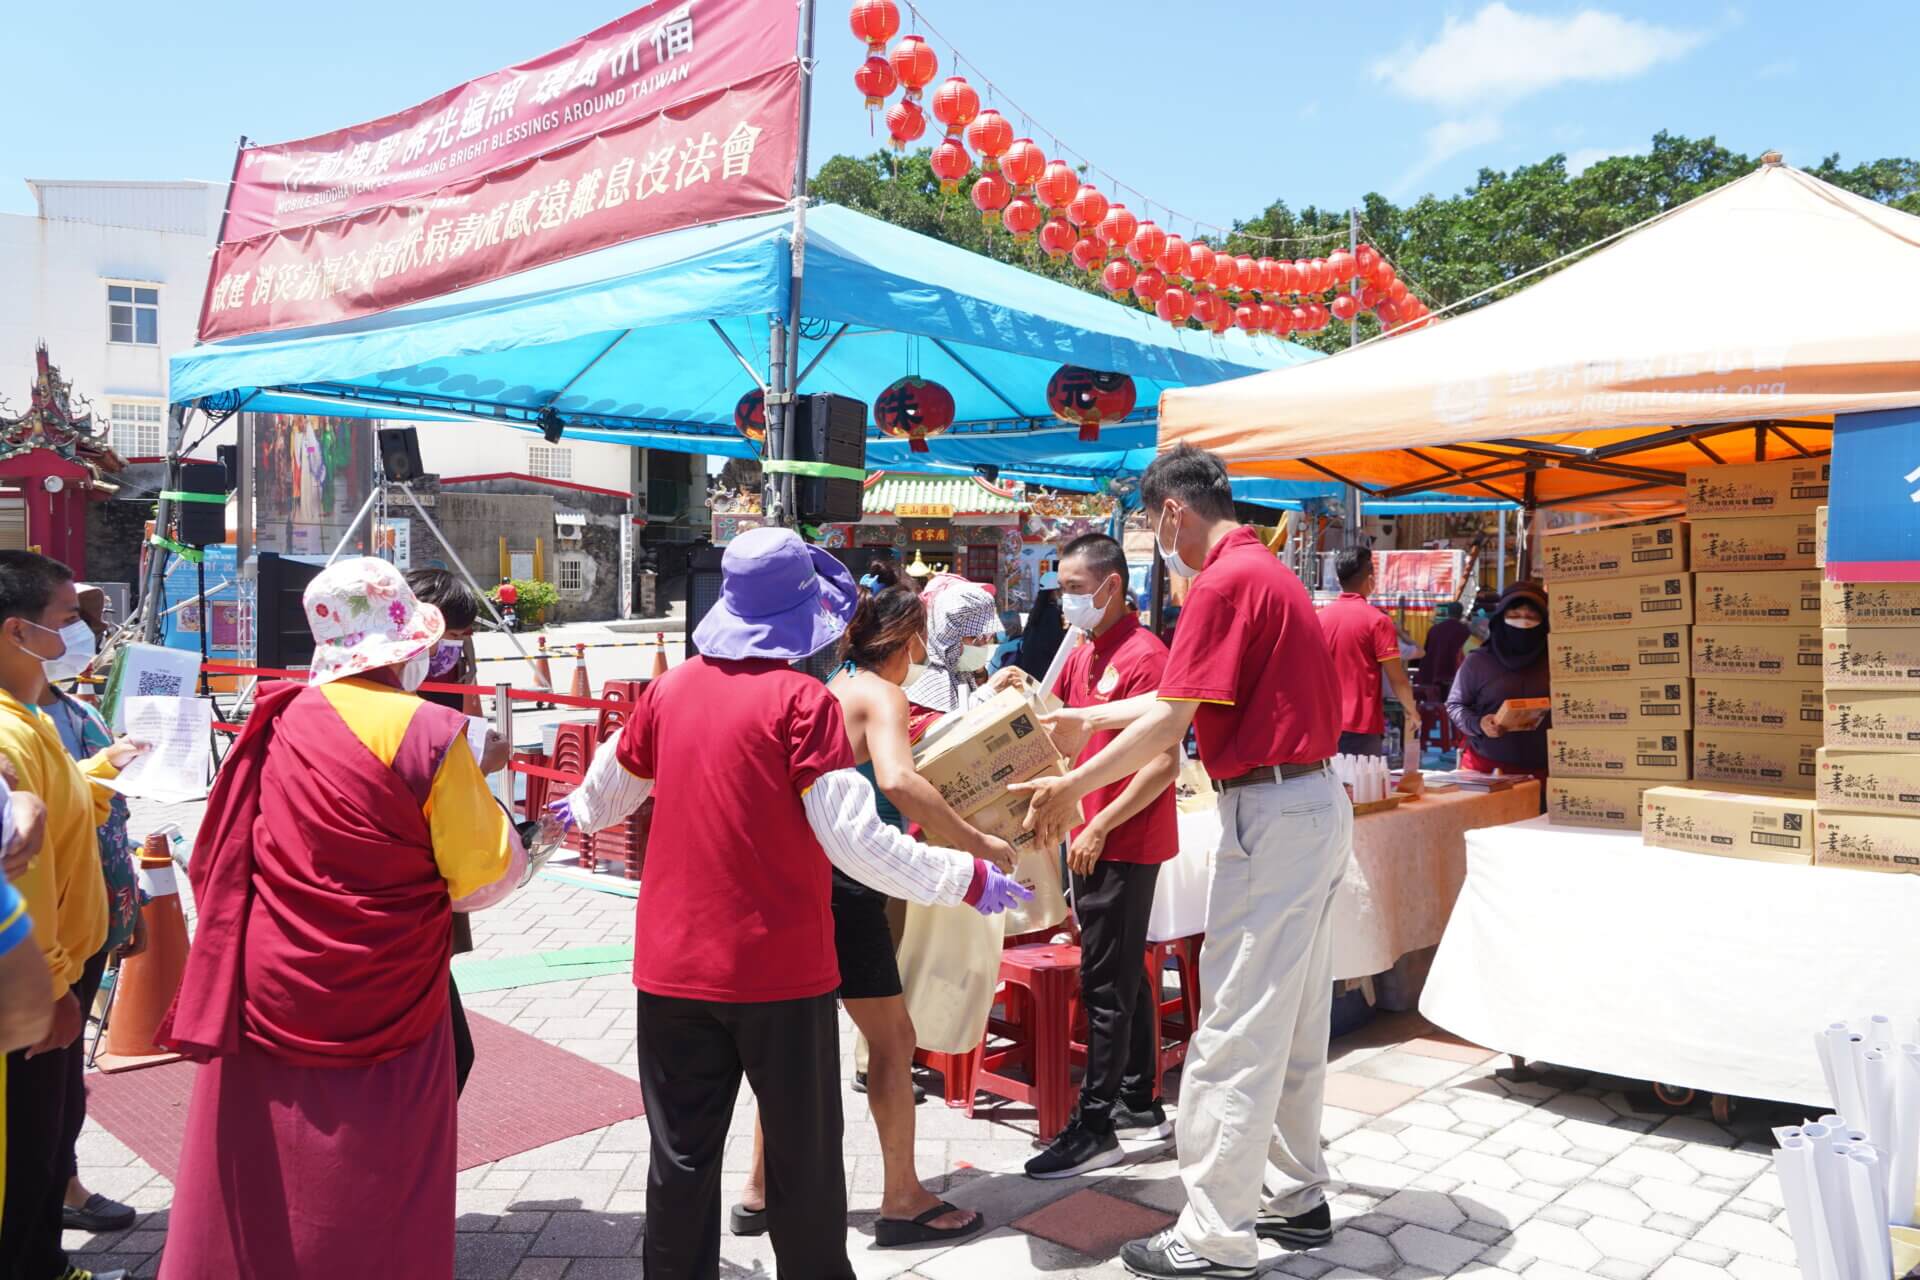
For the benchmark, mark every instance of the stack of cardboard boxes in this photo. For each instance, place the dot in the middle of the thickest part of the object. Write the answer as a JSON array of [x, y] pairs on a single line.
[[1869, 767]]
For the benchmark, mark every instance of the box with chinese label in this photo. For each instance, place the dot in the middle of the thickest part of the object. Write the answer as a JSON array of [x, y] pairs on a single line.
[[1619, 753], [1869, 604], [1776, 598], [1732, 824], [1791, 487], [972, 757], [1757, 653], [1777, 761], [1747, 543], [1624, 704], [1869, 781], [1756, 706], [1623, 552], [1873, 719], [1866, 841], [1599, 604], [1613, 803], [1638, 653], [1820, 537], [1871, 657]]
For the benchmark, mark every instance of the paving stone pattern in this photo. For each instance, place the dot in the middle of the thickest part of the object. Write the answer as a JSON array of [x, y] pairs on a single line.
[[1446, 1163]]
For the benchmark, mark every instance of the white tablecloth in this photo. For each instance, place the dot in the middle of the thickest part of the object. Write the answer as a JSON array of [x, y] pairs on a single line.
[[1588, 949]]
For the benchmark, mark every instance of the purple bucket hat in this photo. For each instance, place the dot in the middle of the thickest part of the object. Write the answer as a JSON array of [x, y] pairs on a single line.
[[780, 598]]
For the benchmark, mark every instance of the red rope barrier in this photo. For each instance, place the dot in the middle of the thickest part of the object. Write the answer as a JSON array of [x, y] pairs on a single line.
[[484, 691]]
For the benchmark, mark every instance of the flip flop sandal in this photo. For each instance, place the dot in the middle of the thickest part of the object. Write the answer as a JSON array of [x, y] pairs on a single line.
[[743, 1221], [894, 1233]]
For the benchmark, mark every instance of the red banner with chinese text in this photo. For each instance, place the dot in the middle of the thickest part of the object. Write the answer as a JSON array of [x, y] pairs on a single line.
[[730, 154], [666, 53]]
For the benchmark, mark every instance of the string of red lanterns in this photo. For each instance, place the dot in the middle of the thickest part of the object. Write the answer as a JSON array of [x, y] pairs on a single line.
[[1024, 191]]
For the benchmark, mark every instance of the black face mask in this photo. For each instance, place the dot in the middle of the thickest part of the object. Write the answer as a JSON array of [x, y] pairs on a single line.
[[1516, 649]]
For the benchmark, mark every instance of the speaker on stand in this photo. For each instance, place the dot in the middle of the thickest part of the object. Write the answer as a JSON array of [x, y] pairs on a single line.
[[830, 429]]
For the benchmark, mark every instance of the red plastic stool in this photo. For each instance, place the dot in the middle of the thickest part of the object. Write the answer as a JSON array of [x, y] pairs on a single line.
[[1038, 988], [956, 1074]]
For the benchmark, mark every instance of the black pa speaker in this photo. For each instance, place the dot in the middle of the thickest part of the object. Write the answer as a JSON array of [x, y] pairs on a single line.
[[203, 524], [831, 429], [703, 588], [281, 635], [400, 454]]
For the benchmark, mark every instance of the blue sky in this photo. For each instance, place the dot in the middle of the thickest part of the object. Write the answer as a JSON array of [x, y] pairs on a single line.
[[1214, 108]]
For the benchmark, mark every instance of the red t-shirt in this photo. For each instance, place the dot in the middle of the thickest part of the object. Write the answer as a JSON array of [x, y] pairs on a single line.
[[1359, 638], [1250, 651], [508, 593], [736, 902], [1126, 660]]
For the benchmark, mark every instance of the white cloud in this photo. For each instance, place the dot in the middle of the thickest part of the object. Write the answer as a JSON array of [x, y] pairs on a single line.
[[1448, 139], [1585, 158], [1499, 55], [1783, 69]]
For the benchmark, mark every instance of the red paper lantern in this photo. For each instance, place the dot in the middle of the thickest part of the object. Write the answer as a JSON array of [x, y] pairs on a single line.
[[1247, 316], [1222, 319], [1367, 257], [1318, 276], [1300, 320], [1200, 261], [1271, 319], [1173, 306], [912, 409], [990, 196], [1396, 291], [1382, 273], [750, 415], [1271, 277], [1089, 398], [1388, 314], [1286, 277], [1205, 303], [1321, 316], [1148, 243], [990, 135], [950, 163], [915, 62], [1058, 185], [1023, 163], [875, 79], [1087, 253], [1057, 237], [1174, 258], [875, 22], [1021, 216], [1087, 207], [906, 122], [1345, 306], [955, 104], [1117, 228], [1341, 263], [1118, 277], [1150, 283], [1225, 271], [1246, 272]]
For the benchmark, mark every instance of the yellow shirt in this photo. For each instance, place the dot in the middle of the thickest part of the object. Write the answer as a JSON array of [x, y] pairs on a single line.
[[65, 890], [471, 833]]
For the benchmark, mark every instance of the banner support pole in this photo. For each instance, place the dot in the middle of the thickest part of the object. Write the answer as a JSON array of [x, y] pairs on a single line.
[[784, 333]]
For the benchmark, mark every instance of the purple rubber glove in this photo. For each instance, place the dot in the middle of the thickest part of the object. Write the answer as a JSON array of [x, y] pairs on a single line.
[[1002, 892], [561, 811]]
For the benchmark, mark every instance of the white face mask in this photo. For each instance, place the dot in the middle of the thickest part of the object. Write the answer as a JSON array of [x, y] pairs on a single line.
[[414, 673], [1523, 624], [78, 643], [974, 657], [1084, 612], [1171, 555]]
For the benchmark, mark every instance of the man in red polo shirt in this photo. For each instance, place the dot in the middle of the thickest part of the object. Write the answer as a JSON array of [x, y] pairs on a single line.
[[755, 794], [1250, 674], [1130, 828], [1364, 645]]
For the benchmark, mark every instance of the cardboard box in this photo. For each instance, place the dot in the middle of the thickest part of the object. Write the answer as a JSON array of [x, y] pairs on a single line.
[[1619, 753], [1777, 598], [1869, 604], [1756, 706], [1599, 604], [1776, 761], [1792, 486], [1757, 653], [1732, 824], [1639, 653], [1624, 704], [1866, 842], [1869, 781], [1747, 543], [1518, 715], [1871, 657], [1873, 719], [1613, 803], [1622, 552], [972, 757], [1820, 537]]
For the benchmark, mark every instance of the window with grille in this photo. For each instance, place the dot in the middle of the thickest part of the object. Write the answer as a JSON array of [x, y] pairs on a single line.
[[549, 463], [133, 314], [983, 564], [139, 429], [570, 575]]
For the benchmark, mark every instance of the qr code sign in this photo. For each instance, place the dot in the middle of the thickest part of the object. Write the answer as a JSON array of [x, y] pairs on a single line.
[[159, 684]]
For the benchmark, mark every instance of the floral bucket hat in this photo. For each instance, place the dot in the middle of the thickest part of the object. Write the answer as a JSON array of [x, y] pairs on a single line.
[[363, 616]]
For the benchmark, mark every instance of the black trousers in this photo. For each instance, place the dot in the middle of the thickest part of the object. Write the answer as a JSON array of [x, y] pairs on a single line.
[[1113, 905], [462, 1039], [76, 1118], [46, 1102], [693, 1054]]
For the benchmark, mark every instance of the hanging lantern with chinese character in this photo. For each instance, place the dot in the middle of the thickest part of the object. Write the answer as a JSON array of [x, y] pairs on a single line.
[[955, 104], [950, 163], [1023, 164], [1057, 237], [1173, 258], [1086, 208], [1117, 228], [1148, 243], [990, 135], [875, 79], [1117, 279], [1057, 185], [990, 196], [915, 62], [750, 415], [1021, 216], [1089, 398], [905, 122], [875, 22], [912, 409]]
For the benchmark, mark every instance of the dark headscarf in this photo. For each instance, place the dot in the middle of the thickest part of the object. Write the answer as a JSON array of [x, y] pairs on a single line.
[[1518, 649], [1046, 628]]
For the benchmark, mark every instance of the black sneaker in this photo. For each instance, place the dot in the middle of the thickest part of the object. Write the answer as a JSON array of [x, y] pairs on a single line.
[[1149, 1121], [1165, 1257], [1307, 1230], [1077, 1150]]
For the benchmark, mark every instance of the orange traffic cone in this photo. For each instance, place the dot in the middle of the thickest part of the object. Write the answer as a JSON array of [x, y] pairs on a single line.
[[148, 982], [659, 655], [543, 670], [580, 687]]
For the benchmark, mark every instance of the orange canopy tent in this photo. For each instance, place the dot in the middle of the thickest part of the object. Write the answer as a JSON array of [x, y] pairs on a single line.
[[1728, 330]]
